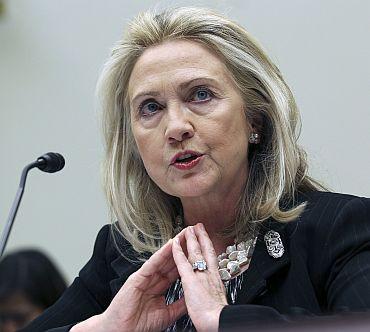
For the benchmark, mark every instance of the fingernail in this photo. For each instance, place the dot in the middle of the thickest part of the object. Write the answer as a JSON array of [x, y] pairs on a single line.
[[202, 226], [177, 240], [192, 229]]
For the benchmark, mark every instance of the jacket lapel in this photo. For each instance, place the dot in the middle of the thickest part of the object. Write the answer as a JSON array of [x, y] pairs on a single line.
[[124, 263], [263, 266]]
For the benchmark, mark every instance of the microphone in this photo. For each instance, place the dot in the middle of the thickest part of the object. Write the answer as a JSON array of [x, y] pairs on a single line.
[[50, 162]]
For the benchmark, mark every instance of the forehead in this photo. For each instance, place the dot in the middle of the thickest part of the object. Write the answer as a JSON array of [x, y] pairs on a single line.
[[176, 61]]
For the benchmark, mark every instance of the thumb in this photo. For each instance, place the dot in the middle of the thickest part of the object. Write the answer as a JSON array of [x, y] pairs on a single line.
[[176, 310]]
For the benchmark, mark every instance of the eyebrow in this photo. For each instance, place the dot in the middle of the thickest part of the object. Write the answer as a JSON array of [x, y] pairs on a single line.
[[183, 85], [145, 93]]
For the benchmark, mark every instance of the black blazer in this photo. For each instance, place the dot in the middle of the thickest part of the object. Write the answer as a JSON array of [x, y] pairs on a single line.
[[325, 269]]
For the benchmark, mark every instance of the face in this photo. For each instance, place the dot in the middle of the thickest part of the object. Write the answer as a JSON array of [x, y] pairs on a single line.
[[188, 120], [17, 311]]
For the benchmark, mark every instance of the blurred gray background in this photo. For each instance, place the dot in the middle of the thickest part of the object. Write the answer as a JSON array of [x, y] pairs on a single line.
[[51, 53]]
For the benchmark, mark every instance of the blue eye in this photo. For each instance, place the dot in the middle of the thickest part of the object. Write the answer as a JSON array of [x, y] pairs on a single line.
[[202, 94], [152, 107], [148, 108]]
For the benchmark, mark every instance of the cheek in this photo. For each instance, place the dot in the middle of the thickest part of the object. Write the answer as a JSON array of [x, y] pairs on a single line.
[[230, 132], [149, 150], [239, 128]]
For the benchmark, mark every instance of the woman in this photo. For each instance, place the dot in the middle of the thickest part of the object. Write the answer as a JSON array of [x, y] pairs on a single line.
[[207, 182], [29, 283]]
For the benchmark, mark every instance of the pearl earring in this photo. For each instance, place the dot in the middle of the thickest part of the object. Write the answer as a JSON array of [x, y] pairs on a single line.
[[254, 138]]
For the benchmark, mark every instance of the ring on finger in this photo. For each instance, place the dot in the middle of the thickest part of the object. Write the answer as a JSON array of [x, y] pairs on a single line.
[[200, 265]]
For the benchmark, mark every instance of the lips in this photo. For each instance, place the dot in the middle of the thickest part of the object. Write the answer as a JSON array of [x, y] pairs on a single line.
[[185, 156], [186, 159]]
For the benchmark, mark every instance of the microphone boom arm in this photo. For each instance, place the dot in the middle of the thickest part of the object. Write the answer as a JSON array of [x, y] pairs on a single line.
[[49, 162], [15, 206]]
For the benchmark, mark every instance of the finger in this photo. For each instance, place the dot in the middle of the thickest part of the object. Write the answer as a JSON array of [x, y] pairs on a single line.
[[206, 245], [182, 239], [176, 310], [159, 261], [168, 265], [181, 261], [173, 275], [162, 260], [163, 282], [192, 244]]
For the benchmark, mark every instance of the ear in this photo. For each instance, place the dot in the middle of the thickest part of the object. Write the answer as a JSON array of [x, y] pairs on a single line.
[[256, 123], [255, 127]]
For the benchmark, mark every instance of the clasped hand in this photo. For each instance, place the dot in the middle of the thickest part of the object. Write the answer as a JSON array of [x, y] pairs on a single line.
[[140, 304]]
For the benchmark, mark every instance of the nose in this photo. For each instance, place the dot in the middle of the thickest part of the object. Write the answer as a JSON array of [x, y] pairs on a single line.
[[9, 326], [179, 127]]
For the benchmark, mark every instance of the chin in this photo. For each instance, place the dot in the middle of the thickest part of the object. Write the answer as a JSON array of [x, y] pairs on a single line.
[[190, 188], [190, 194]]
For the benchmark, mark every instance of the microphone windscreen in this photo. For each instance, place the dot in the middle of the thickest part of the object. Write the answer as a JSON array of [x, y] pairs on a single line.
[[51, 162]]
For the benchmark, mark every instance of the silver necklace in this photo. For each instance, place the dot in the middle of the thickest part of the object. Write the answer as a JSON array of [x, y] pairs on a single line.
[[232, 287], [234, 260], [231, 266]]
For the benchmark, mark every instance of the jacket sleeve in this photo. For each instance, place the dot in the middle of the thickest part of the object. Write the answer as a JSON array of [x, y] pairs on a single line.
[[343, 262], [88, 295]]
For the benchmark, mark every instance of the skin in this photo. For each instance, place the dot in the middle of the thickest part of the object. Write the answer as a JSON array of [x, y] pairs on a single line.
[[140, 304], [18, 304], [183, 98], [173, 78]]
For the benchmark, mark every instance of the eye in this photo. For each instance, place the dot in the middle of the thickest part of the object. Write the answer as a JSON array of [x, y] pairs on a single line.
[[202, 94], [149, 108]]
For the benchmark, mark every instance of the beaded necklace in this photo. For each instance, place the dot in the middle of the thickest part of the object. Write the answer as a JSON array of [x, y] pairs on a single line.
[[231, 266]]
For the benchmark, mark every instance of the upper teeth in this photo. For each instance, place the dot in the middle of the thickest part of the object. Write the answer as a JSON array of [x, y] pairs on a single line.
[[188, 155]]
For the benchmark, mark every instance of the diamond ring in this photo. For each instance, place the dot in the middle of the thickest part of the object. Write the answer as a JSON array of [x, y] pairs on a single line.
[[200, 265]]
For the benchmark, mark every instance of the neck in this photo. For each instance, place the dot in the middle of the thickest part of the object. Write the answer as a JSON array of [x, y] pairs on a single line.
[[215, 212], [214, 217]]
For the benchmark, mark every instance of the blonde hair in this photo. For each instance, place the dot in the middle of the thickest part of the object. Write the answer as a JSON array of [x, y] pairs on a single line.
[[277, 166]]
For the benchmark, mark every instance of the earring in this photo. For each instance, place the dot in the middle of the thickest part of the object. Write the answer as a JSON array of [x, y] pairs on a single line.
[[254, 138], [179, 224]]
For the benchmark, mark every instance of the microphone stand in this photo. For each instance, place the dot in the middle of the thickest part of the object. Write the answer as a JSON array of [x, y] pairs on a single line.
[[17, 200]]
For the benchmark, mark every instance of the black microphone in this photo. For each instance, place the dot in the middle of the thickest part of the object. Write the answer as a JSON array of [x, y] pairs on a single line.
[[50, 162]]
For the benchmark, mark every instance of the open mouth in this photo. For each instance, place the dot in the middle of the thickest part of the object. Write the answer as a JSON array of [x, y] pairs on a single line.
[[186, 158]]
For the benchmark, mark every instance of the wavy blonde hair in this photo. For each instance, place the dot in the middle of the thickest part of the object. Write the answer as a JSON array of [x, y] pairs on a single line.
[[277, 166]]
